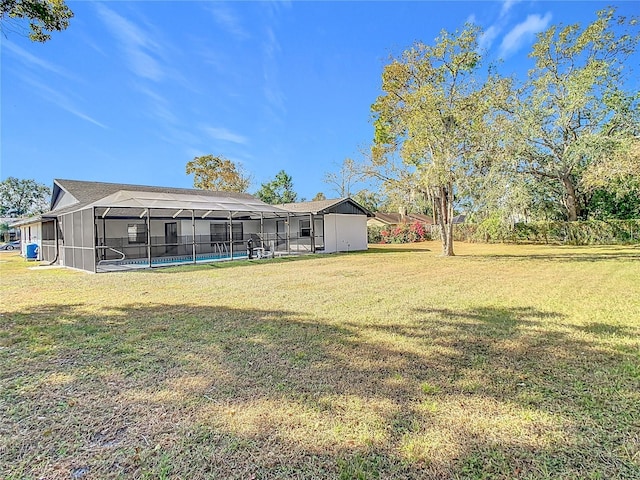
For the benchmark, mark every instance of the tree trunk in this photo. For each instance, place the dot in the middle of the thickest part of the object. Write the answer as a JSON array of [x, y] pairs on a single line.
[[443, 201], [447, 248], [570, 198]]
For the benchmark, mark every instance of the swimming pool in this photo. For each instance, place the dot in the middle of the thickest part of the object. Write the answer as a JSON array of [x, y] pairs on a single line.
[[136, 263], [209, 257]]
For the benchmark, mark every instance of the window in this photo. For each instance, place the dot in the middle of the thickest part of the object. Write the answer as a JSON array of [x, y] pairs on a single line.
[[305, 228], [137, 232], [237, 232], [48, 231], [220, 232]]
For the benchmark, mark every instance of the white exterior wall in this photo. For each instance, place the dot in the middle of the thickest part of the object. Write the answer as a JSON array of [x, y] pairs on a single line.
[[64, 200], [185, 227], [31, 233], [203, 227], [117, 228], [344, 233]]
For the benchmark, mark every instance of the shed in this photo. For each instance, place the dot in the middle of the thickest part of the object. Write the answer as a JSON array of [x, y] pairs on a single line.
[[342, 222]]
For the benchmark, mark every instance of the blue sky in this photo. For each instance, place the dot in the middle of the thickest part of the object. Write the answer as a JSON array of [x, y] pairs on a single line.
[[132, 91]]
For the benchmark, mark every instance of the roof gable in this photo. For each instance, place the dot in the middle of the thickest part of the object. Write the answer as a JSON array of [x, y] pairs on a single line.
[[61, 198], [340, 205]]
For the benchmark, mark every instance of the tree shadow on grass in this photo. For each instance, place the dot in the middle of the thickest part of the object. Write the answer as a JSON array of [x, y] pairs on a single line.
[[203, 391]]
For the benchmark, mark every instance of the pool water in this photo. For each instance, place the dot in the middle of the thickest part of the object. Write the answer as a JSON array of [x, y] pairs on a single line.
[[213, 257]]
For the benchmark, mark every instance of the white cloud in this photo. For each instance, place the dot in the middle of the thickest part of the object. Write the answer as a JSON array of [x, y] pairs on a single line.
[[32, 60], [139, 47], [223, 134], [271, 88], [226, 19], [177, 136], [506, 6], [488, 36], [61, 100], [523, 32], [160, 106]]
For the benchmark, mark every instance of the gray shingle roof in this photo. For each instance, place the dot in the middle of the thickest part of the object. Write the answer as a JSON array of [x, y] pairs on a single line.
[[396, 218], [87, 193], [324, 206], [313, 207]]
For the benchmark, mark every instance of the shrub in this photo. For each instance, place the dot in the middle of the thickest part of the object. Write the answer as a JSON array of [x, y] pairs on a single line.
[[402, 233], [374, 234]]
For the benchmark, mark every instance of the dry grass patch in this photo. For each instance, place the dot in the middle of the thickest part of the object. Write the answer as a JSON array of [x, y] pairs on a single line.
[[503, 362]]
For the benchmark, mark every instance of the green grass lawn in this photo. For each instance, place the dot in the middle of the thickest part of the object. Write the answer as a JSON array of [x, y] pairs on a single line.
[[502, 362]]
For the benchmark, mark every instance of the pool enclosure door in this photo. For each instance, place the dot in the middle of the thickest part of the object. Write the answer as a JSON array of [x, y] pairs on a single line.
[[171, 238]]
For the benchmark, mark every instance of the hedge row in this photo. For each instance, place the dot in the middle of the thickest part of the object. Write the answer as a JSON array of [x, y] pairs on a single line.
[[590, 232]]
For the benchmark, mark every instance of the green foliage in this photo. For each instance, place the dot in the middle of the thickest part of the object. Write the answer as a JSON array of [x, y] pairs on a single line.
[[492, 228], [4, 232], [43, 16], [277, 191], [368, 199], [605, 205], [19, 198], [620, 165], [589, 232], [218, 174], [374, 234], [572, 114]]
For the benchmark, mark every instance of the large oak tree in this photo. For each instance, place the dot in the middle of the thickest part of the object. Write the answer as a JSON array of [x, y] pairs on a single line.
[[572, 114], [438, 116]]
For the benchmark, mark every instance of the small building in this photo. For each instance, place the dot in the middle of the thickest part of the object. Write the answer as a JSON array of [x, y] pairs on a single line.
[[341, 224], [96, 226]]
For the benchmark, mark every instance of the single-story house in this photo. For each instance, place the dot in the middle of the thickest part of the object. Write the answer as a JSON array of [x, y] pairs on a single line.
[[381, 219], [97, 226]]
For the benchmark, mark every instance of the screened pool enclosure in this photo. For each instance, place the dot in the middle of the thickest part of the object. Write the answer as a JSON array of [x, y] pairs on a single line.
[[100, 227], [132, 229]]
